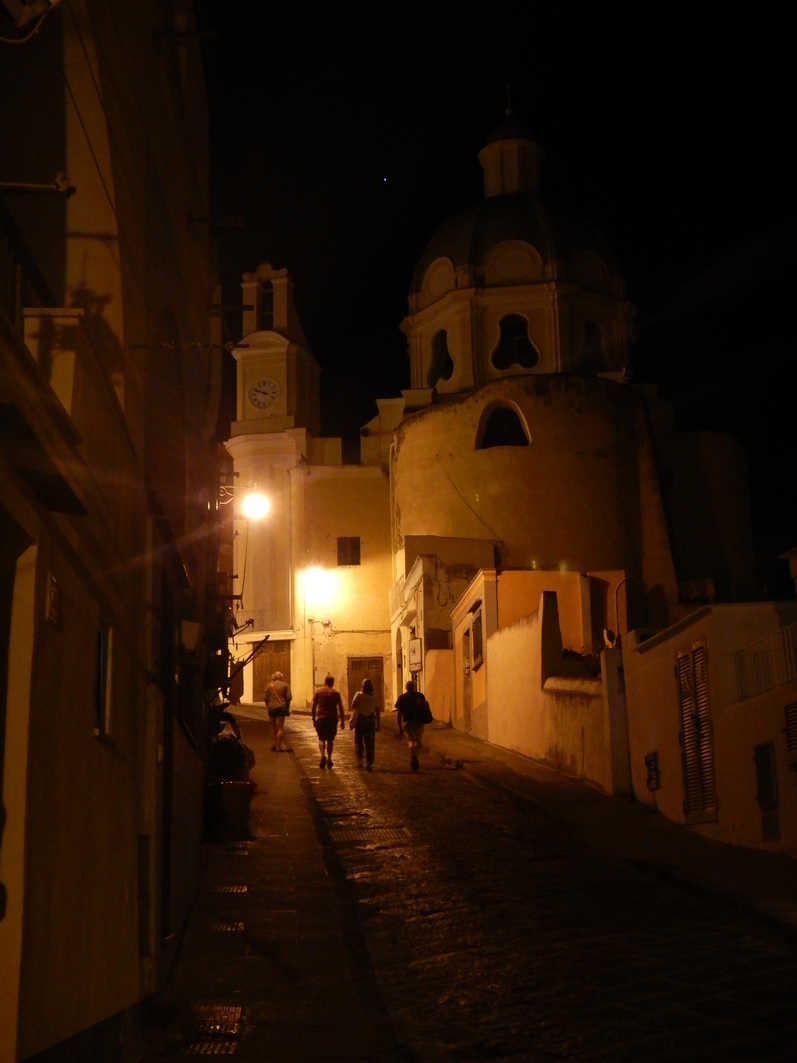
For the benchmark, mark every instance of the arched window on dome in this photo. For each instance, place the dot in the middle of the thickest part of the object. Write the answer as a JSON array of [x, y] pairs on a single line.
[[501, 426], [514, 346], [442, 364]]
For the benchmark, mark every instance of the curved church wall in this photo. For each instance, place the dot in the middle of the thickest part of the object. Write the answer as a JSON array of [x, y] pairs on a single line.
[[572, 497]]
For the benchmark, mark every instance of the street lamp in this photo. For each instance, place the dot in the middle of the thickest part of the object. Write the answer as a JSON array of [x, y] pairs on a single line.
[[255, 506]]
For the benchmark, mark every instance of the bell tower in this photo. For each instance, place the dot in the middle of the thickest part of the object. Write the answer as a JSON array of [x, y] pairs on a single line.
[[277, 376]]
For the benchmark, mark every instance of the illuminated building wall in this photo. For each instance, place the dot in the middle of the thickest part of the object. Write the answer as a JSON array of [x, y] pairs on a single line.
[[110, 370]]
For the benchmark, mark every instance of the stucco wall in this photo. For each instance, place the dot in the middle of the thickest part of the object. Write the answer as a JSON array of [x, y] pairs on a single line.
[[582, 495], [134, 442], [738, 729], [564, 726], [82, 825], [340, 610], [519, 595], [653, 715], [737, 726], [14, 796]]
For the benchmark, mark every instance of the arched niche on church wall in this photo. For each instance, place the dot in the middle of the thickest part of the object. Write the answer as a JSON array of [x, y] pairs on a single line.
[[512, 262], [438, 279]]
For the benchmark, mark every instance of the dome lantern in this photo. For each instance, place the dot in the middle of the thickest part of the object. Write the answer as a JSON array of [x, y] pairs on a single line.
[[511, 161]]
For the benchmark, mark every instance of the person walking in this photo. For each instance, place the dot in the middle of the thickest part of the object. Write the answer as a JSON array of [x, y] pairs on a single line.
[[278, 705], [327, 707], [365, 713], [414, 710]]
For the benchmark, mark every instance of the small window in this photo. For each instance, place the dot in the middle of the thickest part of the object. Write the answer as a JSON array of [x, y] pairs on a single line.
[[348, 550], [514, 346], [501, 427], [103, 673], [442, 364]]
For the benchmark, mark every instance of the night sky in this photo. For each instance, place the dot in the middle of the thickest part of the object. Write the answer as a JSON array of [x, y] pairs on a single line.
[[344, 140]]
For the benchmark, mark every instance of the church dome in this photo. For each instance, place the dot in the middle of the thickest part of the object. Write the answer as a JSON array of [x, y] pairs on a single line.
[[509, 287], [512, 210], [468, 237]]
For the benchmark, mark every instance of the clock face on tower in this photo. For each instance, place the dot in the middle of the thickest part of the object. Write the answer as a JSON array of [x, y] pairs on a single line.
[[264, 393]]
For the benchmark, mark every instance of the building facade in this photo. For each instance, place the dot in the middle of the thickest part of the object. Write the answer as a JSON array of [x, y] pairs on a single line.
[[518, 510], [312, 575], [111, 625]]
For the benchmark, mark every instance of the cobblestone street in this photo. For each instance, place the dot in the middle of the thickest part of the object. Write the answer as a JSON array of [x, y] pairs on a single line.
[[476, 923], [494, 935]]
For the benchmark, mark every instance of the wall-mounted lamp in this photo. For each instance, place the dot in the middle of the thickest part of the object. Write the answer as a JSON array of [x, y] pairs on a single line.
[[254, 505]]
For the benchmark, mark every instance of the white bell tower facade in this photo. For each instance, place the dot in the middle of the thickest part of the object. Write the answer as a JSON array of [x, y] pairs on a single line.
[[278, 411]]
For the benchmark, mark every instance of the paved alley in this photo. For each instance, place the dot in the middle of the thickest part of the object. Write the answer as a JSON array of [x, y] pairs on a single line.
[[472, 911]]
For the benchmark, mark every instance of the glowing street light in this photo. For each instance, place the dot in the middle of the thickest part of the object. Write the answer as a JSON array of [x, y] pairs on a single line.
[[255, 506], [319, 586]]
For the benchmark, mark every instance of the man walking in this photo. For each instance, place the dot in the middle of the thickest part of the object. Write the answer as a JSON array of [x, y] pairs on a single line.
[[327, 707], [414, 710]]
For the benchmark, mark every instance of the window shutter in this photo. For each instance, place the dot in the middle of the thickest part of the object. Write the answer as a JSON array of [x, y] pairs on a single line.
[[697, 738], [791, 727], [692, 787], [705, 736]]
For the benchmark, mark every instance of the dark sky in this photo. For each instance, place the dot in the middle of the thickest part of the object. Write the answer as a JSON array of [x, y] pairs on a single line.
[[668, 129]]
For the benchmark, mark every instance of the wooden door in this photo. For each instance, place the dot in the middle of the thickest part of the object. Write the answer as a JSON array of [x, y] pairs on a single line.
[[274, 657], [360, 668]]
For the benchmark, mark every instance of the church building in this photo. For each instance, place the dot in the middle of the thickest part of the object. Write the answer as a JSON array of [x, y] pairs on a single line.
[[521, 457]]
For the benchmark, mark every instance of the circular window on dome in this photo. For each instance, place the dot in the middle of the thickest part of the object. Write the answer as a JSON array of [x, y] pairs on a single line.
[[442, 364], [514, 346]]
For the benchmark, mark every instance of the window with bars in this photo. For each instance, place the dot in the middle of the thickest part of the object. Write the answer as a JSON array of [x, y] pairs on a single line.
[[348, 549], [696, 736]]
